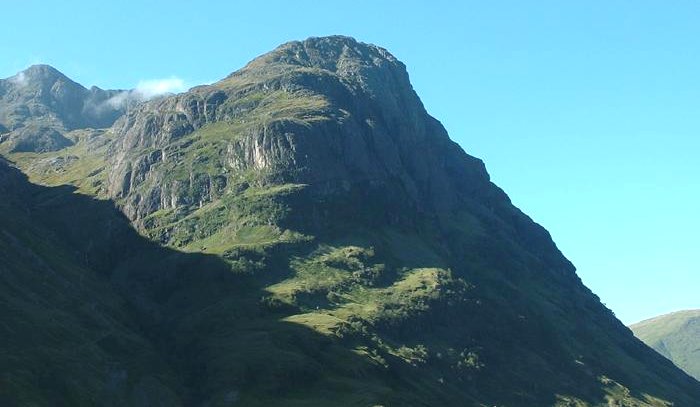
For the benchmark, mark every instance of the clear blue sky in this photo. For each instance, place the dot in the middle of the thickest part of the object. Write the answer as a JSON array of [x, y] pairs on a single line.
[[586, 112]]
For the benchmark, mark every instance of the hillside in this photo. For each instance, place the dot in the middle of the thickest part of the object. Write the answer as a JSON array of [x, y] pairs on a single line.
[[676, 336], [67, 336], [304, 231]]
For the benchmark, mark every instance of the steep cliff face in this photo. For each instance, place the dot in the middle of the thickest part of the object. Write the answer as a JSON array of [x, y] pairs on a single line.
[[354, 253], [330, 113]]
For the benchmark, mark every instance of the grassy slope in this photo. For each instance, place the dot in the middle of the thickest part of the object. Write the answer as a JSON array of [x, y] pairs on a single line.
[[676, 336], [81, 165]]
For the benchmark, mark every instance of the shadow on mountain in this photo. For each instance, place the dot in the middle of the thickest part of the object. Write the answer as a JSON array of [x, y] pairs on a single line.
[[98, 315], [95, 314]]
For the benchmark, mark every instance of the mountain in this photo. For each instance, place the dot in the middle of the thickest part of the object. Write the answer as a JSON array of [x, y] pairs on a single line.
[[303, 233], [676, 336], [39, 105]]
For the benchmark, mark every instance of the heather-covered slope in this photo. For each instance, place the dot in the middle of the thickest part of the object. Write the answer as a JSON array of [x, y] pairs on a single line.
[[676, 336], [332, 243]]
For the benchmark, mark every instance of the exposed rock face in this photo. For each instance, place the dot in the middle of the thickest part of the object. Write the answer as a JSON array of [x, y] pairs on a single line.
[[37, 139], [371, 129], [40, 104], [332, 113]]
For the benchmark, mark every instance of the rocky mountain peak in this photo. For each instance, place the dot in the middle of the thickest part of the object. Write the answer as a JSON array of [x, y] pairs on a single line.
[[39, 105], [336, 115], [361, 68], [40, 85], [338, 54], [330, 112], [41, 74]]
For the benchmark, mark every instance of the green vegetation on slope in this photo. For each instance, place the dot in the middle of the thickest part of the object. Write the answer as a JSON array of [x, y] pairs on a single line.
[[356, 315], [676, 336], [81, 165]]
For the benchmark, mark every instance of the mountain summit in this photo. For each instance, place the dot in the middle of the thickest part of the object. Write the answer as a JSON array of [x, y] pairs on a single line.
[[40, 105], [308, 234], [331, 113]]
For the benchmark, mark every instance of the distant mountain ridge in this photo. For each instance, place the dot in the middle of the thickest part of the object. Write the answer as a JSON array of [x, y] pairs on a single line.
[[676, 336], [308, 235], [40, 105]]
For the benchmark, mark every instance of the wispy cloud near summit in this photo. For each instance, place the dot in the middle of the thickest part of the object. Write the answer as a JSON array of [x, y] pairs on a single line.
[[149, 89], [20, 79], [156, 87]]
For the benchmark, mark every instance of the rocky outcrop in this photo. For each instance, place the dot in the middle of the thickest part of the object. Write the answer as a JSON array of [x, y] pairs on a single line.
[[37, 139]]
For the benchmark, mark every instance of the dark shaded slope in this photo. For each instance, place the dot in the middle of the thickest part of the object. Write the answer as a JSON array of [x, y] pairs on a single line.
[[67, 337]]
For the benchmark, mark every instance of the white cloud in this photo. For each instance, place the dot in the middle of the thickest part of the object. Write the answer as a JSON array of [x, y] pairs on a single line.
[[117, 100], [148, 89], [156, 87], [20, 79]]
